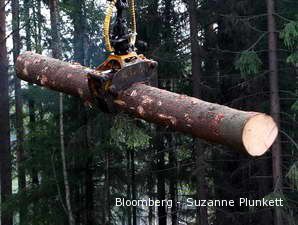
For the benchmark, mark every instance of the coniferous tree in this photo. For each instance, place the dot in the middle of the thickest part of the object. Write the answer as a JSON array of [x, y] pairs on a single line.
[[15, 10]]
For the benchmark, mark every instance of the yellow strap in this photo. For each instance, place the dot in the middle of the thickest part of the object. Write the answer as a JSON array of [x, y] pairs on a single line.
[[107, 22], [133, 21], [106, 26]]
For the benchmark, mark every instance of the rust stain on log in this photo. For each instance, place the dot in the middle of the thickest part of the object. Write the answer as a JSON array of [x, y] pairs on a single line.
[[133, 93], [146, 99], [80, 91], [44, 80], [187, 118], [119, 102], [140, 110], [215, 123], [170, 119]]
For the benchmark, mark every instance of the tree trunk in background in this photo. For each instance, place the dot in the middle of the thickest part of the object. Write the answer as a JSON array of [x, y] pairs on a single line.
[[107, 199], [56, 52], [15, 9], [160, 166], [274, 104], [128, 190], [56, 42], [150, 181], [32, 31], [153, 27], [89, 190], [71, 220], [80, 38], [133, 186], [27, 4], [173, 183], [202, 217], [80, 32], [5, 157], [37, 25]]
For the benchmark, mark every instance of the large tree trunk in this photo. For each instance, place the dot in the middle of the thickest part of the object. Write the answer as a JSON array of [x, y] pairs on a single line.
[[5, 157], [15, 9], [274, 103], [250, 132]]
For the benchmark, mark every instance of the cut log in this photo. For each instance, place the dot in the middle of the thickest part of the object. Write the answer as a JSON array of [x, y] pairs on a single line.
[[250, 132]]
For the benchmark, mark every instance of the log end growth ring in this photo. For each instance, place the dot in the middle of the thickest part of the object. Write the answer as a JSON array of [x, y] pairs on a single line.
[[259, 133]]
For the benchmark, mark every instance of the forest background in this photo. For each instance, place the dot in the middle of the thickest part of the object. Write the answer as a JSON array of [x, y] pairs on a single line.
[[64, 163]]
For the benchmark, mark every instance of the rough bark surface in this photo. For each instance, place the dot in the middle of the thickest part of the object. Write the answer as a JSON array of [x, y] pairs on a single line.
[[212, 122]]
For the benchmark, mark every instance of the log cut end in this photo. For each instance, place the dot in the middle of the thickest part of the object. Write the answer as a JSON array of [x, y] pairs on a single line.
[[259, 133]]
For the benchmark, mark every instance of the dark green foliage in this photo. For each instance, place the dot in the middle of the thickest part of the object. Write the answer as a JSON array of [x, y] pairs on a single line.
[[290, 38], [248, 63], [125, 133], [290, 34]]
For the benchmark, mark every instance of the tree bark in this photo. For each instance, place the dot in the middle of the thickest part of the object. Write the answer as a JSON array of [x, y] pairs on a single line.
[[15, 9], [274, 103], [249, 132], [5, 157]]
